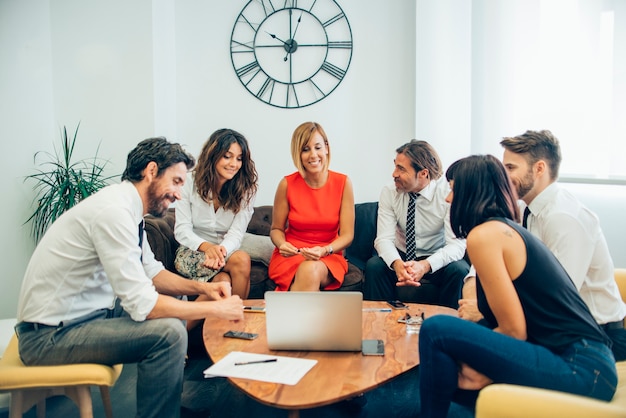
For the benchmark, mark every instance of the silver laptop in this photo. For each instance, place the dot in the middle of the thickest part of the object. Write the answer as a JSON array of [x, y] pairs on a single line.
[[314, 321]]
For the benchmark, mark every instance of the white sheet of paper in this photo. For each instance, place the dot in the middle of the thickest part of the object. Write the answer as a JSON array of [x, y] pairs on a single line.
[[285, 370]]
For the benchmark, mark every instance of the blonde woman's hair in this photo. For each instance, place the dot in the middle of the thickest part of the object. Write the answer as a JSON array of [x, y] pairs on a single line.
[[300, 139]]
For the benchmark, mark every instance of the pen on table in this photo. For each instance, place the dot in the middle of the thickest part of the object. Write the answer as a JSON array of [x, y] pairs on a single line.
[[376, 309], [269, 360]]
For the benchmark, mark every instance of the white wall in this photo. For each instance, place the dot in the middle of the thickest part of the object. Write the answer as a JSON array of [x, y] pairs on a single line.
[[27, 123], [366, 117], [443, 74], [464, 58], [131, 70]]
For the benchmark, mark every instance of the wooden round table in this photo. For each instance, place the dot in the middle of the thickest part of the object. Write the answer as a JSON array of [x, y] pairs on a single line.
[[337, 375]]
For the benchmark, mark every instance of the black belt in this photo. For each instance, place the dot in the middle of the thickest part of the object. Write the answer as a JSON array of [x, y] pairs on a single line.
[[613, 325], [32, 326]]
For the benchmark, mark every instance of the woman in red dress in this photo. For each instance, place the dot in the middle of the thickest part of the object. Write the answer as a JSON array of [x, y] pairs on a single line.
[[313, 218]]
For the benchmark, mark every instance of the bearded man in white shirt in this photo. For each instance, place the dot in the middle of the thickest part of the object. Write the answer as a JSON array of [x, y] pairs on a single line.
[[435, 271], [94, 293], [567, 227]]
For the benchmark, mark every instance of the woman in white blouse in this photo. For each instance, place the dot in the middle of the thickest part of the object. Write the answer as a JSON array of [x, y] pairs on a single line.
[[214, 212]]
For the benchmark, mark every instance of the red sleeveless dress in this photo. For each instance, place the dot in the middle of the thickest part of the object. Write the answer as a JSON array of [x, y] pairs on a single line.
[[313, 220]]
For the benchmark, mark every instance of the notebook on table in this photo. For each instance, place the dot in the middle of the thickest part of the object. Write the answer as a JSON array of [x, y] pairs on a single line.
[[314, 321]]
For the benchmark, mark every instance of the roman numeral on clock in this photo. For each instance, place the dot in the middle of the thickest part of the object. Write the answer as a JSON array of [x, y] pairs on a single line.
[[242, 71], [340, 44], [333, 19], [267, 84], [333, 70]]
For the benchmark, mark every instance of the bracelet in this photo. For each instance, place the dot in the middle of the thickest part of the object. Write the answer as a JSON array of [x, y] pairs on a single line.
[[330, 250]]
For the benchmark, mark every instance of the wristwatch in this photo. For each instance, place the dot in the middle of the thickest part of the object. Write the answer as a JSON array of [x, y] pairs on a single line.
[[330, 250]]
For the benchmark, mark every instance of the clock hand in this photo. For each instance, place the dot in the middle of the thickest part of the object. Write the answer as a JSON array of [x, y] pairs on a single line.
[[297, 24], [276, 37], [288, 45], [293, 37]]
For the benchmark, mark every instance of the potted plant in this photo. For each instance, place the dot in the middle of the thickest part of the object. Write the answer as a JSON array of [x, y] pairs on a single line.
[[61, 183]]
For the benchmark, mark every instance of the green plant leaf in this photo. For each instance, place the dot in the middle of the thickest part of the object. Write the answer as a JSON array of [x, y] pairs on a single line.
[[60, 183]]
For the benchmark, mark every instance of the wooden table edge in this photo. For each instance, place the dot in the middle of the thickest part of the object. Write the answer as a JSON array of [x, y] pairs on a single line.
[[239, 383]]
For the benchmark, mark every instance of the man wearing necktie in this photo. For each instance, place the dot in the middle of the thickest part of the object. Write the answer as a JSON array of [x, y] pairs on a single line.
[[94, 287], [569, 229], [419, 258]]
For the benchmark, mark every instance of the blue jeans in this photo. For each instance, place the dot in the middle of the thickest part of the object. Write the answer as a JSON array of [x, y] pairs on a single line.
[[158, 346], [585, 368]]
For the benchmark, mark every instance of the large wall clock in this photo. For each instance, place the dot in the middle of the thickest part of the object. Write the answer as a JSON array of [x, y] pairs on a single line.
[[291, 53]]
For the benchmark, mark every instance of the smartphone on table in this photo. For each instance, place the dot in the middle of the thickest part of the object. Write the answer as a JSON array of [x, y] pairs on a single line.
[[396, 304], [373, 348], [240, 334]]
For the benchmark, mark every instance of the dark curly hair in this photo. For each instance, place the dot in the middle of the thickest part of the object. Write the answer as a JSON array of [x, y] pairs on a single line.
[[236, 192]]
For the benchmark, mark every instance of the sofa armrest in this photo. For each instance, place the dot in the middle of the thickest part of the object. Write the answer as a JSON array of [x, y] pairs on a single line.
[[160, 234], [261, 221], [511, 401], [362, 246]]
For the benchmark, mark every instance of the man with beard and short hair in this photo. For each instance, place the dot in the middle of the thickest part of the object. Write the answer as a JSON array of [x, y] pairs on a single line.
[[414, 241], [567, 227], [94, 288]]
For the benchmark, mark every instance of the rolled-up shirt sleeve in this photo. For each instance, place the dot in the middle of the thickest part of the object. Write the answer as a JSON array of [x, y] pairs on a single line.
[[116, 240]]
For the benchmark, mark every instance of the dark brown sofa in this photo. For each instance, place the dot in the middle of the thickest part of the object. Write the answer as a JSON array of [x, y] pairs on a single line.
[[160, 233]]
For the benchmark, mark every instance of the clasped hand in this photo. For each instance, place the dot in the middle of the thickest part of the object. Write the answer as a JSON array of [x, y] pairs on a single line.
[[313, 253], [468, 309], [217, 290], [410, 273], [230, 306], [215, 257], [309, 253]]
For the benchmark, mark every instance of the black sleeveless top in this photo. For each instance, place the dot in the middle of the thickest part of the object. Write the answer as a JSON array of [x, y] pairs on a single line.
[[556, 315]]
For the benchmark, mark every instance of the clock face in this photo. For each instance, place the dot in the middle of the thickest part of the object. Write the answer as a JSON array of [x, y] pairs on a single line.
[[291, 53]]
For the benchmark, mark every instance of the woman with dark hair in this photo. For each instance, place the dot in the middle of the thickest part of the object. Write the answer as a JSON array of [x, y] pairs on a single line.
[[312, 219], [214, 212], [540, 332]]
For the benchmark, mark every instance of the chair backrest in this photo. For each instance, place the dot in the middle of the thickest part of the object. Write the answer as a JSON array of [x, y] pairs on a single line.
[[620, 278]]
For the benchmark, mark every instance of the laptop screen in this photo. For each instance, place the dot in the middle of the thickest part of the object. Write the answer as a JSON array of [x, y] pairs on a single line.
[[314, 321]]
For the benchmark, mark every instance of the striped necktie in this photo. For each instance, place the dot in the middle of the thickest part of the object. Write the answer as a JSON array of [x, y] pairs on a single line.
[[411, 247]]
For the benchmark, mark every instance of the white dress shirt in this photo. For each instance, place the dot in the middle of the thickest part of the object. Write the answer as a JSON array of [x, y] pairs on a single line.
[[573, 234], [89, 256], [434, 236], [197, 221]]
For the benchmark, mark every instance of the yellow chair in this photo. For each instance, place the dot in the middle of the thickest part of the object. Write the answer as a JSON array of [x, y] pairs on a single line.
[[511, 401], [31, 385], [620, 278]]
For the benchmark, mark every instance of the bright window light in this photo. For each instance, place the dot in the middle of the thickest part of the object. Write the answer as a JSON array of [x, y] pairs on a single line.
[[558, 65]]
